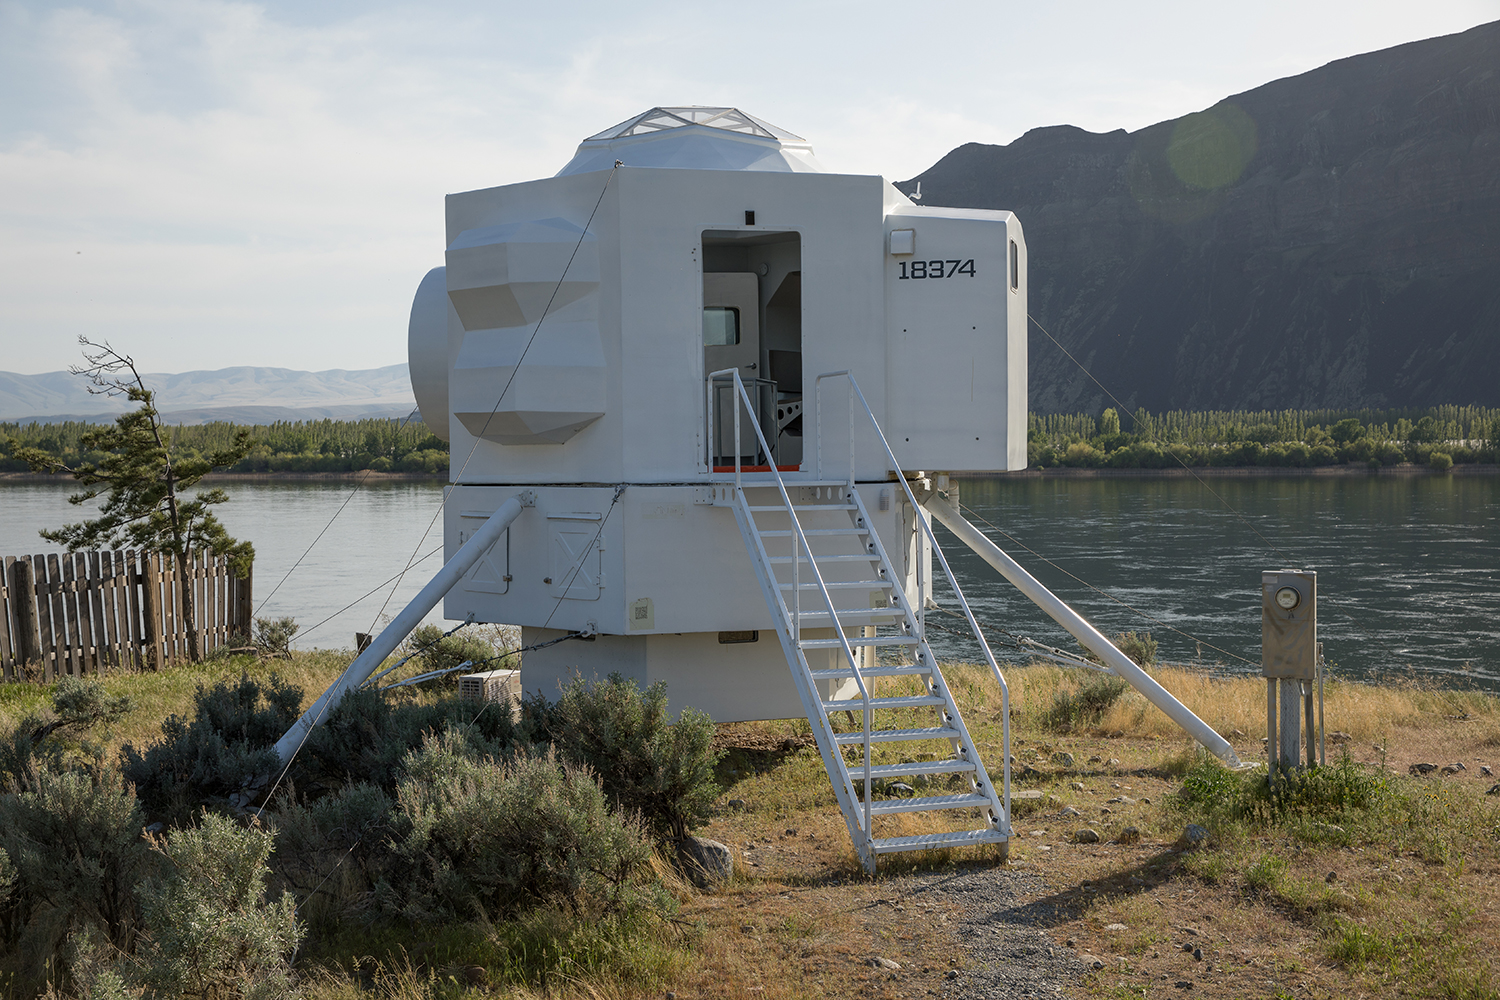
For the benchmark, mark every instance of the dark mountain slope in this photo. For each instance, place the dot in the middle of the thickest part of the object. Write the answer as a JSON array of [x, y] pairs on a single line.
[[1330, 239]]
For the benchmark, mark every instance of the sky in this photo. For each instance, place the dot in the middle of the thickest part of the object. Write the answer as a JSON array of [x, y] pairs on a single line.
[[207, 183]]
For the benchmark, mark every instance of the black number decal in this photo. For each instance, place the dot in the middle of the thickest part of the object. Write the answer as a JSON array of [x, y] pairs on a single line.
[[936, 268]]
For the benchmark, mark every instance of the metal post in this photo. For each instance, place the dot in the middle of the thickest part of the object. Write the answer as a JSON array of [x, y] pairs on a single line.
[[1291, 723], [1272, 746], [1307, 710], [818, 417], [917, 558], [1322, 749]]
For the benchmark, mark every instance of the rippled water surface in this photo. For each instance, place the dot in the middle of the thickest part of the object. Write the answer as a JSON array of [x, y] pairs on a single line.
[[1408, 568]]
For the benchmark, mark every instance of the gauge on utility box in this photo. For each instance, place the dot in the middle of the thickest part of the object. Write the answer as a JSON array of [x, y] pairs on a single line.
[[1288, 598]]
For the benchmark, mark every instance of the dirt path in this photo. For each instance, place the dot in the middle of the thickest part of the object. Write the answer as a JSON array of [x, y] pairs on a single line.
[[1003, 923]]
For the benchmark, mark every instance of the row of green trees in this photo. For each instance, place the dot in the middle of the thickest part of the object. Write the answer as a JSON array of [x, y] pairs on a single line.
[[1439, 436], [1456, 434], [285, 446]]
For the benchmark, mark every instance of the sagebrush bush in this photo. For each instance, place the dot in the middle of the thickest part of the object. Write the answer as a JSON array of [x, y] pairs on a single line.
[[370, 733], [74, 844], [645, 763], [1078, 709], [227, 745], [332, 852], [272, 637], [213, 935], [7, 878], [436, 651], [1140, 647], [59, 741], [480, 839]]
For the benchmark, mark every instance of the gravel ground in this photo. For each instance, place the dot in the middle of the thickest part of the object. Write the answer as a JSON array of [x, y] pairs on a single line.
[[1001, 921]]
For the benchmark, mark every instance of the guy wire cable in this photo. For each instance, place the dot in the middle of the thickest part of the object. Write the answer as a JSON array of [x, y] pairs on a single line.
[[513, 373], [369, 593], [1133, 416], [362, 479], [970, 512]]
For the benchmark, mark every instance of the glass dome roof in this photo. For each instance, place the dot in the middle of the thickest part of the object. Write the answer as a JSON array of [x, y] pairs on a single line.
[[662, 119]]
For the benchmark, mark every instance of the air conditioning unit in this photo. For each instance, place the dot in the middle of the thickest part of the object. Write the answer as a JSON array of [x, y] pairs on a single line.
[[492, 685]]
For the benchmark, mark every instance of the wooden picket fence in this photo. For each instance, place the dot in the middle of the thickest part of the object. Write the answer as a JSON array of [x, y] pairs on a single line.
[[79, 613]]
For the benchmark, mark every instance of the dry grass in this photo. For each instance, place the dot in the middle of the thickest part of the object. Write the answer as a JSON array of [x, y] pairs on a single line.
[[155, 695], [1229, 704]]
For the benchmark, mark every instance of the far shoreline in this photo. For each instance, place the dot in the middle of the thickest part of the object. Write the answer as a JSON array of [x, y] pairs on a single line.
[[1403, 470], [1244, 471]]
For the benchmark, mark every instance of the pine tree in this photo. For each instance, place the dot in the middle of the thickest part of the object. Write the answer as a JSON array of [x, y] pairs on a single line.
[[142, 482]]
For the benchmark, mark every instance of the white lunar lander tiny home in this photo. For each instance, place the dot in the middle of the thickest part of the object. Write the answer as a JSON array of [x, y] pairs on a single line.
[[686, 384]]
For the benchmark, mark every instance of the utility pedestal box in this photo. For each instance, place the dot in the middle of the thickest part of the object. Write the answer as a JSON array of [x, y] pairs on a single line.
[[1291, 660]]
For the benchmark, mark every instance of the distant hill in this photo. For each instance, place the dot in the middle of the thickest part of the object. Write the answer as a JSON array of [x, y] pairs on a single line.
[[1330, 239], [240, 395]]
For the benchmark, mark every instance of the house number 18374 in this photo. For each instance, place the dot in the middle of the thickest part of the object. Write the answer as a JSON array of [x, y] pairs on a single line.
[[936, 268]]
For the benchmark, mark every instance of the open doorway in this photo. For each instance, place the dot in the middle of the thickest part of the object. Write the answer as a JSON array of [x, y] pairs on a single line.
[[752, 322]]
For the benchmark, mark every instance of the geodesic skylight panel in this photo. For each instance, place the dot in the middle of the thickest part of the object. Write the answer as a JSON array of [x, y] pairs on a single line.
[[662, 119]]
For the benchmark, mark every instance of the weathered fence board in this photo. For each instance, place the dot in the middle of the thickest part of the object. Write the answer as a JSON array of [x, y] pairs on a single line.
[[84, 612], [7, 644]]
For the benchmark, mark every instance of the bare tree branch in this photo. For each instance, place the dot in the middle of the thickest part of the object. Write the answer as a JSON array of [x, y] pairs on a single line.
[[103, 369]]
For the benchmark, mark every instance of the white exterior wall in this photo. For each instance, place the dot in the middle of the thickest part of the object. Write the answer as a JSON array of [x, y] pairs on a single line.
[[646, 253], [957, 343], [662, 544], [612, 392]]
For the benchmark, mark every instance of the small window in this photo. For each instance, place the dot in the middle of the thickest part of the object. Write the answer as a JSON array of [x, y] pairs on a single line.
[[721, 326], [1015, 266]]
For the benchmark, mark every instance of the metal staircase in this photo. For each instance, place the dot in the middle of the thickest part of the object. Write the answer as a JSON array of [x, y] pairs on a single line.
[[846, 625]]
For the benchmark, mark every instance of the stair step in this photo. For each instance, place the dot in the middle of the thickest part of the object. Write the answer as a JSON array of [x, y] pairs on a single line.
[[887, 807], [898, 735], [815, 532], [934, 841], [950, 766], [887, 671], [871, 557], [855, 613], [845, 585], [858, 705], [808, 508], [882, 640]]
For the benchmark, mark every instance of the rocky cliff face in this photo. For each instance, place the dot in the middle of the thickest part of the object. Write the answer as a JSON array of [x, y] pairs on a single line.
[[1330, 239]]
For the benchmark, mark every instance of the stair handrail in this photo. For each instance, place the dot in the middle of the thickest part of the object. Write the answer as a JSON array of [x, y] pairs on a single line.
[[801, 539], [917, 510]]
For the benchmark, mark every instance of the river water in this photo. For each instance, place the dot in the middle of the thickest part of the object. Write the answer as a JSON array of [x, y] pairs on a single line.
[[1408, 567]]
